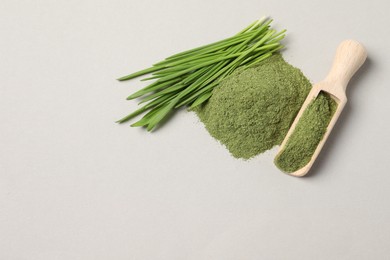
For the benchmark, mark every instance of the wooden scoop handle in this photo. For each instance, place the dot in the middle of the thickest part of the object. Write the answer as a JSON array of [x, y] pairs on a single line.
[[350, 55]]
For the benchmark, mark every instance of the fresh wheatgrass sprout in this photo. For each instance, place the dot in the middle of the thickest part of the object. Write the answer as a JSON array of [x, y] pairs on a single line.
[[188, 78]]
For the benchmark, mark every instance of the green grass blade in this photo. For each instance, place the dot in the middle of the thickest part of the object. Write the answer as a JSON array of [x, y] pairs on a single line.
[[132, 115], [161, 114], [153, 87], [203, 98], [173, 88], [140, 73]]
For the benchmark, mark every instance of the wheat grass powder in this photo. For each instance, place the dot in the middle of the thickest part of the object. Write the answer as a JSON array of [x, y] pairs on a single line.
[[251, 110], [307, 134]]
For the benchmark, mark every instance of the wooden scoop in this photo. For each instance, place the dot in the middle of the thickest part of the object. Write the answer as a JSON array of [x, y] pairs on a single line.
[[350, 55]]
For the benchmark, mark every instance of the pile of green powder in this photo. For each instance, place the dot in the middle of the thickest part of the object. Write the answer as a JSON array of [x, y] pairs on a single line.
[[307, 134], [251, 110]]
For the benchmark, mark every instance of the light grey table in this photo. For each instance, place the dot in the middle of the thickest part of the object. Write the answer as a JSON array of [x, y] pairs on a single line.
[[74, 185]]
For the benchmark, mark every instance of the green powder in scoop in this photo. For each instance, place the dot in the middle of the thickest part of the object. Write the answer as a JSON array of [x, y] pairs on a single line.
[[251, 110], [307, 134]]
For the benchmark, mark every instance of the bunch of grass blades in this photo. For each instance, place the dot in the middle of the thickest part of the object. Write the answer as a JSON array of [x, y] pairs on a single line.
[[188, 78]]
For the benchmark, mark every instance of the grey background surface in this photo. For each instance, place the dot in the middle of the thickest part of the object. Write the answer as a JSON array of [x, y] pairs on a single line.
[[75, 185]]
